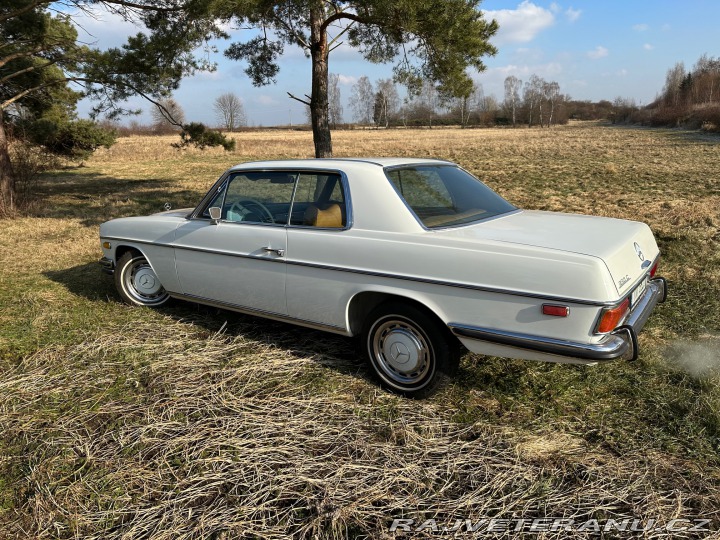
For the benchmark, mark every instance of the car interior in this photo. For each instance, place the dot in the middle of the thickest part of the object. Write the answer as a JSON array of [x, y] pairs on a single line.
[[300, 199]]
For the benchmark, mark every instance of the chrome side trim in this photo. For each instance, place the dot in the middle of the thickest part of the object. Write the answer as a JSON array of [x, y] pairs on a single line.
[[260, 313], [415, 279], [200, 250], [610, 348], [456, 285]]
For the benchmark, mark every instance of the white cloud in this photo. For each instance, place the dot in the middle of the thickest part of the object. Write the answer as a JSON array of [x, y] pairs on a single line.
[[648, 47], [522, 24], [347, 79], [573, 14], [640, 27], [555, 7], [266, 100], [622, 73], [598, 52], [550, 69]]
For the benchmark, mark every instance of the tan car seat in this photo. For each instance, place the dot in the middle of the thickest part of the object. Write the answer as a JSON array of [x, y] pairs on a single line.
[[329, 217]]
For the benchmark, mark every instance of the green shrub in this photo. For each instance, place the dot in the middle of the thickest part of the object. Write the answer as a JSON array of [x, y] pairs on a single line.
[[75, 139], [199, 135]]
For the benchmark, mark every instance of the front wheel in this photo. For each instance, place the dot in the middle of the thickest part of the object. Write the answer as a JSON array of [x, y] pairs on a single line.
[[137, 282], [408, 349]]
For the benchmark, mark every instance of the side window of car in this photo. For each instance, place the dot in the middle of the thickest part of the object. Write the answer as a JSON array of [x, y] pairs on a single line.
[[258, 197], [422, 188], [319, 201]]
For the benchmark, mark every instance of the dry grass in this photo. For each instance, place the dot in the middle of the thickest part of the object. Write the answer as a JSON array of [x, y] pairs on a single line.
[[157, 431], [198, 423]]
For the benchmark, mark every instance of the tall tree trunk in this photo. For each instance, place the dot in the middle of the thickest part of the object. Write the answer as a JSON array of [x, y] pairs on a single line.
[[319, 101], [7, 177], [530, 114]]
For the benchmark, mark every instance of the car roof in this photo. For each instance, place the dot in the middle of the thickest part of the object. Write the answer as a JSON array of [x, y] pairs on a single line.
[[339, 163]]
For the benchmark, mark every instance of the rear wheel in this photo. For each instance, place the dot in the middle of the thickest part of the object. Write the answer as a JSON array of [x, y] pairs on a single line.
[[137, 282], [408, 350]]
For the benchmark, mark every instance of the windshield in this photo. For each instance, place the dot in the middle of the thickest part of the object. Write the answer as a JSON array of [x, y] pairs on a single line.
[[444, 195]]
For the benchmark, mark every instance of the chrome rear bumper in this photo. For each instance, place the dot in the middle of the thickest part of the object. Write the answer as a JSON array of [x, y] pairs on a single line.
[[620, 343]]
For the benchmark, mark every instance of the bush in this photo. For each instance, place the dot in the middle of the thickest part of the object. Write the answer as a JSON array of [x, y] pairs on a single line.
[[29, 162], [74, 139], [709, 118], [200, 136]]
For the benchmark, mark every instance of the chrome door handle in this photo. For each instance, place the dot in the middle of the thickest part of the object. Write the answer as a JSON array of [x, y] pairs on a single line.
[[280, 252]]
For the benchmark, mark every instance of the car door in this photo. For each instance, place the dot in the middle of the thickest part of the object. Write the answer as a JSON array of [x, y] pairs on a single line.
[[317, 241], [239, 260]]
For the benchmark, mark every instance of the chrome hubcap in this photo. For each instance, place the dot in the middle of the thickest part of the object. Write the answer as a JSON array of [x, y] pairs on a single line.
[[401, 352], [142, 284], [145, 281]]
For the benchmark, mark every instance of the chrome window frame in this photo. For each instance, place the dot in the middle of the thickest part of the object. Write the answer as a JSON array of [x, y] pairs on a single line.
[[224, 179], [440, 228]]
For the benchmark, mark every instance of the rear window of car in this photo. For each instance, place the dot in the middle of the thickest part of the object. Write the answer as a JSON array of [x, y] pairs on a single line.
[[446, 196]]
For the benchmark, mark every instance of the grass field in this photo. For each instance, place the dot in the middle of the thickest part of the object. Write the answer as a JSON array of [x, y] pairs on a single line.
[[192, 422]]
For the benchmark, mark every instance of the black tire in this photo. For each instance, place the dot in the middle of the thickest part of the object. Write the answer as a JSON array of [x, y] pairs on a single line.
[[408, 350], [137, 283]]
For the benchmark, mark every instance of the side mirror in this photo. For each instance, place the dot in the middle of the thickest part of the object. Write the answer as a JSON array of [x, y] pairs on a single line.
[[215, 214]]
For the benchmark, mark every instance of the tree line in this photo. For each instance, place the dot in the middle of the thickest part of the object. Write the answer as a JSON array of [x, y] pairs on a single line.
[[536, 103], [45, 69], [689, 99]]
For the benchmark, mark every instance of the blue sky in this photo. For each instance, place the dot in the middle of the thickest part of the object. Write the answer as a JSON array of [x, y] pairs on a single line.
[[594, 49]]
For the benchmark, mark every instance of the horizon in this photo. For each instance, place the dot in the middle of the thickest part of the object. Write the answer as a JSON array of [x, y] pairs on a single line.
[[594, 51]]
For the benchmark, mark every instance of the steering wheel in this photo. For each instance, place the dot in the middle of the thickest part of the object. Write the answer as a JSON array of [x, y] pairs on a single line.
[[248, 206]]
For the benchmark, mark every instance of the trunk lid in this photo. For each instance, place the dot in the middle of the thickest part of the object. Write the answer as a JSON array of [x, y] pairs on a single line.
[[626, 247]]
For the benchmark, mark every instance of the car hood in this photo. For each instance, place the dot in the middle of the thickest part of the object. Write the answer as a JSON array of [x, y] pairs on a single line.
[[180, 212], [626, 247]]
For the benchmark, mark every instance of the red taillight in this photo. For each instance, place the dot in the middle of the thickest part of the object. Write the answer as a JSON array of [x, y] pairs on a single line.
[[612, 317], [653, 270], [555, 311]]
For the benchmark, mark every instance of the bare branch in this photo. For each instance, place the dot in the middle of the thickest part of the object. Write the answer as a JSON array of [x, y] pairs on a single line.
[[333, 40], [298, 99], [143, 7], [122, 3], [342, 15], [292, 30]]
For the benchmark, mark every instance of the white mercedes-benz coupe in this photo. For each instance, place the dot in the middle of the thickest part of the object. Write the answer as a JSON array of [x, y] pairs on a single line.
[[416, 256]]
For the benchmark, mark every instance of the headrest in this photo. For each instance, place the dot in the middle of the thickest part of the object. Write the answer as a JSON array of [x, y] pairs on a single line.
[[330, 217]]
